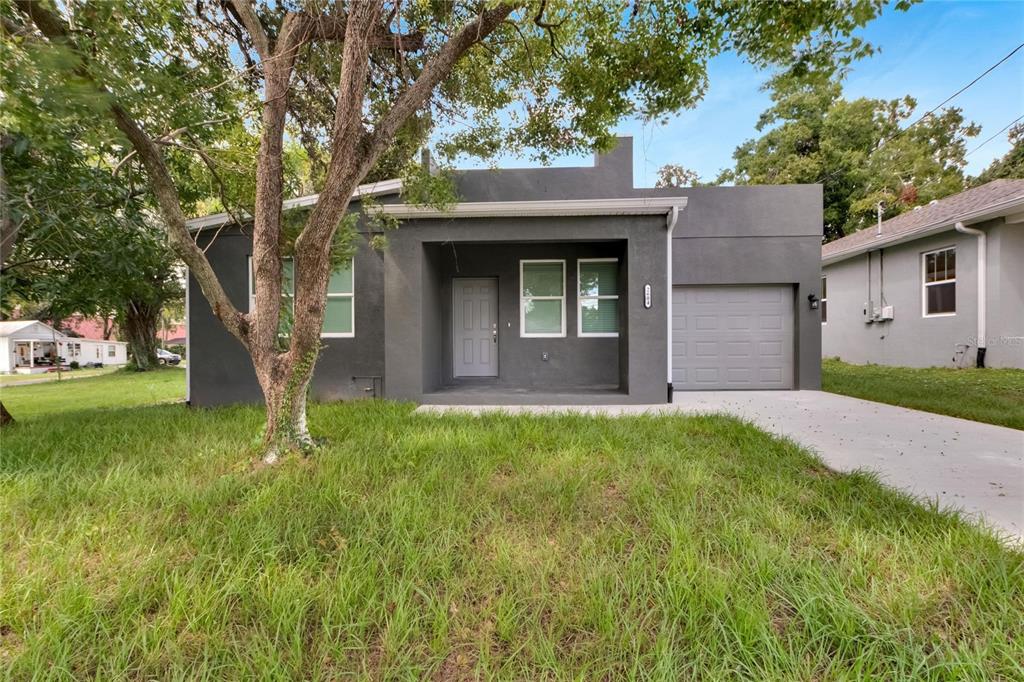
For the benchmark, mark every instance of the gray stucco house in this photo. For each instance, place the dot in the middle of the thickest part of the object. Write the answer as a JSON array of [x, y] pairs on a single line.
[[941, 285], [550, 285]]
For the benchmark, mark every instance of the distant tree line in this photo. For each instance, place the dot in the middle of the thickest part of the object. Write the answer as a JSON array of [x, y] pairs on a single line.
[[863, 151]]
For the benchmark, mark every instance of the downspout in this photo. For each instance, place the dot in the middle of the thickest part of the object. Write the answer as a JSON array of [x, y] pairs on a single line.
[[670, 225], [982, 293]]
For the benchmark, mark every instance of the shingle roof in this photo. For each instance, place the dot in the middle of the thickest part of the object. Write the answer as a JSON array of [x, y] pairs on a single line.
[[943, 212]]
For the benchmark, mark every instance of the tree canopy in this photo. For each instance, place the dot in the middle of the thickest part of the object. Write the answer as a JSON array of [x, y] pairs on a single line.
[[158, 84], [1011, 164], [863, 151]]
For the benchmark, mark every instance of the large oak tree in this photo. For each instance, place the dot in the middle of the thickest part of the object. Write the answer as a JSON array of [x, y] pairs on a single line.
[[351, 80], [863, 151]]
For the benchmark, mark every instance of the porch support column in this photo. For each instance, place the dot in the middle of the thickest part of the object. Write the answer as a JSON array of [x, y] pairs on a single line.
[[31, 354]]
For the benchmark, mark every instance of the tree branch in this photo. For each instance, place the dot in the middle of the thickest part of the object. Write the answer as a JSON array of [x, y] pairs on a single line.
[[167, 137], [53, 28], [440, 66], [246, 15]]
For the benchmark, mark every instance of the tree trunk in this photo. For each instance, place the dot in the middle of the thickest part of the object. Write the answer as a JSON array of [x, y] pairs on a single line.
[[140, 324], [5, 416], [285, 385]]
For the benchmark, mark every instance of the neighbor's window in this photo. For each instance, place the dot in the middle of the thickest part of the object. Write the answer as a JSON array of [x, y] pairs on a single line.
[[939, 270], [542, 298], [339, 315], [824, 300], [111, 352], [598, 300]]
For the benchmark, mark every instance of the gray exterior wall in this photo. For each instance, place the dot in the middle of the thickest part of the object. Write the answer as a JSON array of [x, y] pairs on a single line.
[[758, 235], [220, 372], [911, 339], [727, 235]]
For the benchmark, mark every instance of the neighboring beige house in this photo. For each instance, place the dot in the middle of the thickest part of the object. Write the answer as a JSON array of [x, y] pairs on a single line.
[[941, 285], [31, 346]]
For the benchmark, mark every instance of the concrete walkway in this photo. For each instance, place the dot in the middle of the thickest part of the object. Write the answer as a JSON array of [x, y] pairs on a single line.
[[964, 464]]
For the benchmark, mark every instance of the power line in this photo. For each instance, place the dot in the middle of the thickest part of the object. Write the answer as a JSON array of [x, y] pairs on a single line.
[[953, 96], [995, 136], [945, 101]]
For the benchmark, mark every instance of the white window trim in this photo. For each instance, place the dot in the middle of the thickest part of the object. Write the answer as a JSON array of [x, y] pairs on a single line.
[[824, 298], [580, 298], [323, 335], [925, 283], [523, 299], [351, 310]]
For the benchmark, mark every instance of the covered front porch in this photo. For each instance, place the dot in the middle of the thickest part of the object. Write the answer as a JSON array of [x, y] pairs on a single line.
[[556, 309], [34, 356], [463, 392], [512, 320]]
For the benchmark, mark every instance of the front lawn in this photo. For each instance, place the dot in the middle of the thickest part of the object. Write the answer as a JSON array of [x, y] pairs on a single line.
[[121, 388], [995, 396], [146, 545]]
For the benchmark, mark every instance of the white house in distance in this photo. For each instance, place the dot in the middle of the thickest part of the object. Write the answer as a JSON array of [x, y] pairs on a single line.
[[941, 285], [30, 347]]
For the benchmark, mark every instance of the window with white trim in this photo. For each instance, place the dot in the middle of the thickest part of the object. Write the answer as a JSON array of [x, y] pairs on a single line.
[[938, 270], [111, 351], [824, 300], [339, 314], [541, 298], [597, 304]]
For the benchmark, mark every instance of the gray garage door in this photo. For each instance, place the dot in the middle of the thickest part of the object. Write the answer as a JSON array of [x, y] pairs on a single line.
[[738, 337]]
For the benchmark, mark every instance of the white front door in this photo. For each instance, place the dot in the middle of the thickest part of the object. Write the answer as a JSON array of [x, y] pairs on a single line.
[[475, 327]]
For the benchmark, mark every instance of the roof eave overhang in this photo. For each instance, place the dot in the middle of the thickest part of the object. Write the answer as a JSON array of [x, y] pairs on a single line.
[[521, 209], [995, 211], [373, 189]]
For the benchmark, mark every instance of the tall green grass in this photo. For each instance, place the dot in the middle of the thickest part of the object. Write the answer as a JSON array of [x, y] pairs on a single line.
[[122, 388], [994, 396], [146, 544]]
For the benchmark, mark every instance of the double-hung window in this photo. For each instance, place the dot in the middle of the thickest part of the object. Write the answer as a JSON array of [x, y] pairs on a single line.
[[824, 300], [339, 315], [598, 296], [542, 298], [111, 352], [939, 282]]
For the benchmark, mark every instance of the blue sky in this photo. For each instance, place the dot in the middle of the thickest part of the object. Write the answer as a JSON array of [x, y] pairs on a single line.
[[929, 52]]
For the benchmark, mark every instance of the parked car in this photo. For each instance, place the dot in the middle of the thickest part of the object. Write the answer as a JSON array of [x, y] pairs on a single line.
[[166, 357]]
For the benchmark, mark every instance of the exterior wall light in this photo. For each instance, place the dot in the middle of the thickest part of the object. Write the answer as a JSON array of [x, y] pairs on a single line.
[[813, 301]]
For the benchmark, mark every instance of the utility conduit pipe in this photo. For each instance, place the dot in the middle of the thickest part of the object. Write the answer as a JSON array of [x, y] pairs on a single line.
[[982, 286]]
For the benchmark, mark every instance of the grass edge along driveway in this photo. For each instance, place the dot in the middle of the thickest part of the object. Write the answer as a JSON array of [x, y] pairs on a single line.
[[145, 544], [993, 396]]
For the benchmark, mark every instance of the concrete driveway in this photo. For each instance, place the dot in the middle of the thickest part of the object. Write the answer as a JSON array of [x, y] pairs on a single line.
[[964, 464]]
